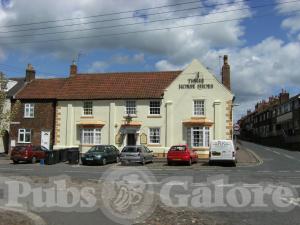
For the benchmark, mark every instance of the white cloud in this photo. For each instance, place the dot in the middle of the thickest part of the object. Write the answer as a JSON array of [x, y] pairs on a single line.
[[290, 10], [174, 42], [164, 65], [98, 66]]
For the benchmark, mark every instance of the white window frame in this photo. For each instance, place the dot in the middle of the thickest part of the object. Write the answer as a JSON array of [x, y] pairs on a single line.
[[201, 107], [87, 109], [151, 135], [29, 110], [155, 108], [24, 131], [205, 136], [95, 133], [130, 107]]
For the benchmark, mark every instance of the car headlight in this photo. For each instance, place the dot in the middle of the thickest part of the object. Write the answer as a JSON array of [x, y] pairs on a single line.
[[98, 156]]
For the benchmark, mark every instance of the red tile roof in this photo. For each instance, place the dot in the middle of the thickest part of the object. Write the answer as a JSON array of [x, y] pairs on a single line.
[[117, 85], [137, 85], [41, 89]]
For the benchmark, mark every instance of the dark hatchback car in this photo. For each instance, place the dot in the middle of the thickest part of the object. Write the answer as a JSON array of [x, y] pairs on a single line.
[[101, 154], [29, 153]]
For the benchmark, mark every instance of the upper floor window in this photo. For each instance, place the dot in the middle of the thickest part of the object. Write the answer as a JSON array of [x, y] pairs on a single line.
[[199, 107], [154, 107], [29, 110], [24, 136], [130, 107], [88, 108]]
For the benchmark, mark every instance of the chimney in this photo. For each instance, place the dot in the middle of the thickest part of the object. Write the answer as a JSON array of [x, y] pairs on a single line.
[[226, 73], [30, 73], [284, 96], [73, 69]]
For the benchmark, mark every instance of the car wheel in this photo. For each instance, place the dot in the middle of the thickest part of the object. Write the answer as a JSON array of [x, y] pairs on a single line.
[[234, 163], [190, 162], [143, 161], [104, 162], [33, 160], [15, 161], [170, 163], [210, 163], [117, 159]]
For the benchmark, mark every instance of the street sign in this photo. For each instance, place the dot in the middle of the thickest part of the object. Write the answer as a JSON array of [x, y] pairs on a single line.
[[236, 127]]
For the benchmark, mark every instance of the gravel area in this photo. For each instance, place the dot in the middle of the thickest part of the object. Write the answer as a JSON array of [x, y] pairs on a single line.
[[161, 216], [14, 218]]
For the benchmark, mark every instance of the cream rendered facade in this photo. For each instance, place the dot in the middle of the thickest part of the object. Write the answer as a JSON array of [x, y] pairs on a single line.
[[175, 119]]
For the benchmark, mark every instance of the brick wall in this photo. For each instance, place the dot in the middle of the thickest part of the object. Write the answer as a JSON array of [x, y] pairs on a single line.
[[44, 120]]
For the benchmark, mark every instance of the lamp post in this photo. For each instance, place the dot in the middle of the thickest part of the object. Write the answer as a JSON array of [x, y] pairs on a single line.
[[233, 133]]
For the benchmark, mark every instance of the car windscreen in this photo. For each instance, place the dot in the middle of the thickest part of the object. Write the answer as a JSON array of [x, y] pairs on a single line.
[[19, 148], [130, 149], [178, 148], [97, 149]]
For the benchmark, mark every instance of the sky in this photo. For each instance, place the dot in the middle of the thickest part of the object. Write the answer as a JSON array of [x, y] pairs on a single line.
[[261, 38]]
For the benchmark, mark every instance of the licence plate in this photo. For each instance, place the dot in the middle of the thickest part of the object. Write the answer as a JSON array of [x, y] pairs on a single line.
[[216, 153], [177, 159], [88, 159]]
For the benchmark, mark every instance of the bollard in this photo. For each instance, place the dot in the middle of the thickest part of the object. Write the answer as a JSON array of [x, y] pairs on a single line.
[[42, 162]]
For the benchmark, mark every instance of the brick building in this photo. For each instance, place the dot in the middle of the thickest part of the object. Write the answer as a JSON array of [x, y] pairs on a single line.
[[35, 120]]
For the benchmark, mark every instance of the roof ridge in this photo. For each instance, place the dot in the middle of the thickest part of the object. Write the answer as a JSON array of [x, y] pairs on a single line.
[[133, 73]]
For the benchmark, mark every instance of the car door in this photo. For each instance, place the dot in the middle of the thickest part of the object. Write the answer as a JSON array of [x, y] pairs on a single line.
[[148, 154], [36, 152], [109, 154]]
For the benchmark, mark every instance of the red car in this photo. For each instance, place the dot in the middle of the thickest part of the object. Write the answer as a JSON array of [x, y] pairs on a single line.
[[28, 153], [181, 153]]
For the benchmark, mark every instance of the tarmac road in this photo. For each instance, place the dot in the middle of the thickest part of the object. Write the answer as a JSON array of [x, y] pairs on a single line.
[[273, 165]]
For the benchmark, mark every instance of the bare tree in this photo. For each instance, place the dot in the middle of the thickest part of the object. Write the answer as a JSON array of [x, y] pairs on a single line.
[[7, 113]]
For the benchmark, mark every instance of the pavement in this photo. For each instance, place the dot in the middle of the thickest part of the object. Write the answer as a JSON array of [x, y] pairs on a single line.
[[257, 164]]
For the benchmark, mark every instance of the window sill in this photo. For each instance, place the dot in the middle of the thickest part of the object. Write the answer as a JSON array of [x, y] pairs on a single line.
[[198, 117], [87, 117], [131, 115], [154, 116], [24, 142], [154, 145], [28, 117]]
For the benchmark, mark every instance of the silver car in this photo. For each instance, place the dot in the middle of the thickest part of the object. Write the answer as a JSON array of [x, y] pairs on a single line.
[[136, 154]]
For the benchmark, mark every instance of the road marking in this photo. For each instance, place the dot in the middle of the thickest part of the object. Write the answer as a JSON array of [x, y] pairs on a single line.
[[283, 171], [264, 171], [288, 156], [86, 172], [16, 169], [277, 153], [298, 171]]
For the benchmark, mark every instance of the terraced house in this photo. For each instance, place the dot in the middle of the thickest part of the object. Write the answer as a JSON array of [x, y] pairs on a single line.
[[157, 109]]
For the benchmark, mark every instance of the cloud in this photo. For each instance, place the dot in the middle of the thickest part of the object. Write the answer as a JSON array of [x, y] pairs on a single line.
[[98, 66], [173, 42], [292, 20], [257, 71]]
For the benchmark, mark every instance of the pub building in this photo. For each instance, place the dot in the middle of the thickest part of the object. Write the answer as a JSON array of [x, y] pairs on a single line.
[[156, 109]]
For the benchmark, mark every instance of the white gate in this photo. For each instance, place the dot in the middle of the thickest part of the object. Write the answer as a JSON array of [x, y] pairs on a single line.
[[45, 139]]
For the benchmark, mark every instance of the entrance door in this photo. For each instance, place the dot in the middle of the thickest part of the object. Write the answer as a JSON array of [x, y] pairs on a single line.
[[45, 139], [131, 139]]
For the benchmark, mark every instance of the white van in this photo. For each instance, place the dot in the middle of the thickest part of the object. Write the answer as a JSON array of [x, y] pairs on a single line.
[[222, 151]]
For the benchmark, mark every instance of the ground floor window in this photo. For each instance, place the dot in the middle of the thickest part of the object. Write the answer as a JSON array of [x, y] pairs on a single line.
[[198, 137], [154, 134], [90, 136], [24, 136]]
